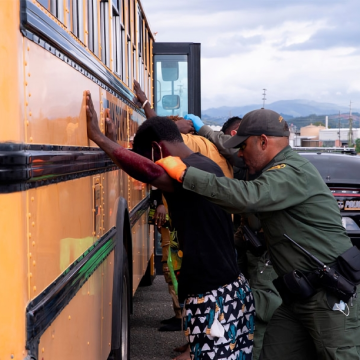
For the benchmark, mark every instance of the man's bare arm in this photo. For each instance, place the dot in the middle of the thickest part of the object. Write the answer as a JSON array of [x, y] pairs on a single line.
[[135, 165], [149, 112]]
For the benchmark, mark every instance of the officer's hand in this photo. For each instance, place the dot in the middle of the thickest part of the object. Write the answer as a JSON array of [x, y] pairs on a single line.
[[173, 166], [198, 124]]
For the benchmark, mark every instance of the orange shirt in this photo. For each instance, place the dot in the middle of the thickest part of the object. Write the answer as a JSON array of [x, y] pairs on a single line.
[[205, 147]]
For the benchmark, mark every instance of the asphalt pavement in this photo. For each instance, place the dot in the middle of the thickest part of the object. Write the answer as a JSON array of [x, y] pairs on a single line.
[[151, 305]]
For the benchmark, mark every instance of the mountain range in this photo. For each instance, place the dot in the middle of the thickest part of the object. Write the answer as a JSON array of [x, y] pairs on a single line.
[[289, 109]]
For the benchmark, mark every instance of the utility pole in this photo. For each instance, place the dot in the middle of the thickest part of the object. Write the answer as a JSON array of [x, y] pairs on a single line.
[[350, 142], [264, 98], [339, 130]]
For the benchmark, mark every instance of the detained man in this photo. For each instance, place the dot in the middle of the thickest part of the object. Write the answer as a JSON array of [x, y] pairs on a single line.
[[218, 301]]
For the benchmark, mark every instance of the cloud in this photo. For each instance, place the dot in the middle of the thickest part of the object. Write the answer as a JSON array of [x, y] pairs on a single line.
[[295, 48]]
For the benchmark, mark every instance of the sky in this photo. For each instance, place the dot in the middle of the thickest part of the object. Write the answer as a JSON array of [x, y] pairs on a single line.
[[296, 49]]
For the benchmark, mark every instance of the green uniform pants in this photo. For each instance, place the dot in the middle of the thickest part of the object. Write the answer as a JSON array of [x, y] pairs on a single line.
[[311, 330], [261, 275]]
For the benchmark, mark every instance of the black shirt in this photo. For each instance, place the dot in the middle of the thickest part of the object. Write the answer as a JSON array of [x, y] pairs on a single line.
[[205, 235]]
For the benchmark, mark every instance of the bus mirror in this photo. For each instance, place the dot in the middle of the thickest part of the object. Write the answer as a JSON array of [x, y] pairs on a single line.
[[171, 102], [170, 70]]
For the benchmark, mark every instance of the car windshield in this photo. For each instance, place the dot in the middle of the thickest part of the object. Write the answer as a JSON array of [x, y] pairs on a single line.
[[336, 168]]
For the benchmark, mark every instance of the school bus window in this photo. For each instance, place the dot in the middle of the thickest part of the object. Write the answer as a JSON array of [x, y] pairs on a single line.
[[129, 71], [134, 66], [104, 30], [93, 35], [140, 33], [128, 5], [133, 18], [118, 39], [78, 19], [146, 47], [57, 9]]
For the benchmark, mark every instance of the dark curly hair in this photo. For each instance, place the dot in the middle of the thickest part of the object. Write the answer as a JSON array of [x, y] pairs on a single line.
[[156, 129]]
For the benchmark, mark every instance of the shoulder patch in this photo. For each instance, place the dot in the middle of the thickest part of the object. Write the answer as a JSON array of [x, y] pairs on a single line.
[[281, 166]]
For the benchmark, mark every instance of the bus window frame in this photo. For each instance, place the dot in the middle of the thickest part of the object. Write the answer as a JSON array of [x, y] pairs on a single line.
[[57, 9], [104, 32], [77, 19], [93, 26], [118, 39]]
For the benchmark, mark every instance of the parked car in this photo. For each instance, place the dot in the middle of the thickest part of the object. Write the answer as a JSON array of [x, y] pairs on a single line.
[[341, 173]]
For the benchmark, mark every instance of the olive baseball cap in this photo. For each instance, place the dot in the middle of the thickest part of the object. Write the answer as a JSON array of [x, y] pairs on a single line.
[[256, 123]]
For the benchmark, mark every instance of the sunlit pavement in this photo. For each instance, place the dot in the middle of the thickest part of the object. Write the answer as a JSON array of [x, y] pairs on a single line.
[[151, 305]]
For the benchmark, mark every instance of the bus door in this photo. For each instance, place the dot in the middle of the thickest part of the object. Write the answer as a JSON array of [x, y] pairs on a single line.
[[177, 88]]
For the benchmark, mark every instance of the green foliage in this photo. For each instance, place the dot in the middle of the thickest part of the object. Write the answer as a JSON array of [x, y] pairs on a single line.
[[318, 123], [357, 145]]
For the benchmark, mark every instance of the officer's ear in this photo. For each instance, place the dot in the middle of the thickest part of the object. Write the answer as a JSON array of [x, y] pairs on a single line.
[[263, 141]]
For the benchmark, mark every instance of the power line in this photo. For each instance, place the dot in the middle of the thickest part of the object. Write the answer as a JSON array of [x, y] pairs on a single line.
[[264, 98]]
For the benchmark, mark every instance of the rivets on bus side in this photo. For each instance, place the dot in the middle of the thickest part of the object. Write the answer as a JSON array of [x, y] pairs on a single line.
[[25, 83], [69, 317], [53, 336], [31, 139], [28, 48], [93, 233], [29, 235], [34, 263], [29, 94], [34, 288], [30, 113], [33, 223], [30, 275], [88, 342], [109, 303], [29, 75], [29, 215], [33, 243], [32, 199], [43, 350], [26, 123], [26, 103], [30, 255], [109, 344], [25, 63]]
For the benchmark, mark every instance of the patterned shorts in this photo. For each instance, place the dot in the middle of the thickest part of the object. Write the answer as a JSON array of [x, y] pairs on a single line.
[[220, 323]]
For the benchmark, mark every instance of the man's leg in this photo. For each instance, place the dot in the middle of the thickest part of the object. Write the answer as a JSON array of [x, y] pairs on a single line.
[[336, 334], [229, 308], [286, 338]]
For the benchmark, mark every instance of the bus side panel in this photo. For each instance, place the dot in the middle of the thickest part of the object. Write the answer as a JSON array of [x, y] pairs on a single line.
[[13, 275], [61, 228], [142, 249], [11, 74], [83, 328], [55, 111]]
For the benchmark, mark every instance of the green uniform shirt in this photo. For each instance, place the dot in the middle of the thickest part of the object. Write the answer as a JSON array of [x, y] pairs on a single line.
[[289, 197]]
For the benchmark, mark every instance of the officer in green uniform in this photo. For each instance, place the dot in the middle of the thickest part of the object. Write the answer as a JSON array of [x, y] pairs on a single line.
[[289, 197]]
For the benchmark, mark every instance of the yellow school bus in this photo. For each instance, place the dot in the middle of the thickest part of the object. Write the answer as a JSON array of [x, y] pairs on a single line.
[[75, 241]]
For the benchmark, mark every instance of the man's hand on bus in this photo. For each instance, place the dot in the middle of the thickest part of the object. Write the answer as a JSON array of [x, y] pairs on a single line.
[[110, 129], [141, 97], [185, 126], [92, 122]]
